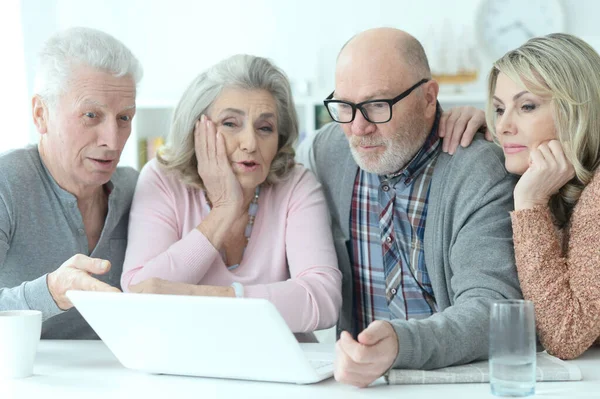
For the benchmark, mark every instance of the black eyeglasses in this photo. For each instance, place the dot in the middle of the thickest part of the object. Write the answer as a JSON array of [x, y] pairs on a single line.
[[375, 111]]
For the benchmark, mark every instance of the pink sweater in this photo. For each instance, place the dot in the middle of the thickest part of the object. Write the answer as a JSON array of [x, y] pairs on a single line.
[[290, 259]]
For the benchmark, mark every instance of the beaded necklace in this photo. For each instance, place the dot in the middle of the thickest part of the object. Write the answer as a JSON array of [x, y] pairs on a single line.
[[252, 211]]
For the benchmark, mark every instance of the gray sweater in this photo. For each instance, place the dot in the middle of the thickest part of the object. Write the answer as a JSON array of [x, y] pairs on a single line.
[[41, 227], [468, 246]]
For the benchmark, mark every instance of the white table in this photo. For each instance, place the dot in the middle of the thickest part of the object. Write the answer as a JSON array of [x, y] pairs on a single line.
[[87, 369]]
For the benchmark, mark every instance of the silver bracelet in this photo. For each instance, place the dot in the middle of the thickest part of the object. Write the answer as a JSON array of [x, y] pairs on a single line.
[[238, 289]]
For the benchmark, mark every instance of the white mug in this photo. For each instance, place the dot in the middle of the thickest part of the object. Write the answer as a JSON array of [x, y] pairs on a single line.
[[20, 332]]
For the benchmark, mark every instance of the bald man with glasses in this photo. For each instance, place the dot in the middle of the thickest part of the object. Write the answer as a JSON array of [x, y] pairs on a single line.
[[423, 239]]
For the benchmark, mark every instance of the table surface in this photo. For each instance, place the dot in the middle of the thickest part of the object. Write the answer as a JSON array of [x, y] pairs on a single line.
[[88, 369]]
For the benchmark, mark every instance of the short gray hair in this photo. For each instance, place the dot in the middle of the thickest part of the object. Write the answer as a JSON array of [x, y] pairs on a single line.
[[239, 71], [80, 46]]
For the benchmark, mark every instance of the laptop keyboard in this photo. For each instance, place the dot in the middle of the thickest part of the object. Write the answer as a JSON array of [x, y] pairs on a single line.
[[319, 364]]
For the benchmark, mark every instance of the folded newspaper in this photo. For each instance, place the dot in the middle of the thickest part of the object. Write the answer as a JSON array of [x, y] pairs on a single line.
[[548, 368]]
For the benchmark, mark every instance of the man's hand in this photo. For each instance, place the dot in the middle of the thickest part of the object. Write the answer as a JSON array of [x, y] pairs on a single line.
[[360, 363], [164, 287], [75, 274], [459, 125]]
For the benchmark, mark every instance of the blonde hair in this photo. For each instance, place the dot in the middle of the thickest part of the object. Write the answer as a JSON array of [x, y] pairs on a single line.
[[567, 70], [241, 71]]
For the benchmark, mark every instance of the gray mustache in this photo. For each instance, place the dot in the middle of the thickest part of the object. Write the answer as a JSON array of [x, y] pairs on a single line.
[[366, 142]]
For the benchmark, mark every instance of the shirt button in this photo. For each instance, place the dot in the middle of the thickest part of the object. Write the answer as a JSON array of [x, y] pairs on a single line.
[[81, 232], [388, 239], [385, 188], [394, 291]]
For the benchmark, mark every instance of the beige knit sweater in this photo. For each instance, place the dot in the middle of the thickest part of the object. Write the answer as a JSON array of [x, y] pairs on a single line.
[[563, 284]]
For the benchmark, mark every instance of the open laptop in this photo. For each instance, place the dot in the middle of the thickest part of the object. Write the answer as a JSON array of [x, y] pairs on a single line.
[[203, 336]]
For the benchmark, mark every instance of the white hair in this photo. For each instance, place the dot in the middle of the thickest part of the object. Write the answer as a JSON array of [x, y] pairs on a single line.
[[239, 71], [76, 47]]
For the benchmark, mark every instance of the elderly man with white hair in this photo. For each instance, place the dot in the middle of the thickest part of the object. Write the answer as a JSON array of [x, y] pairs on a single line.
[[64, 204]]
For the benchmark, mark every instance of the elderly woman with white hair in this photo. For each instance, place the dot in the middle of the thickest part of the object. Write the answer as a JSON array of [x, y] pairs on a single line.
[[224, 210]]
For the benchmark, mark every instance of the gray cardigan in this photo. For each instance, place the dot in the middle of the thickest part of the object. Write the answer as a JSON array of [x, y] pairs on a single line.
[[468, 246]]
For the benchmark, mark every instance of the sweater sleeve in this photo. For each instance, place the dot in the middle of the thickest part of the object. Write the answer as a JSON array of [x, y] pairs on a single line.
[[311, 298], [29, 295], [565, 289], [482, 271], [156, 247], [470, 259]]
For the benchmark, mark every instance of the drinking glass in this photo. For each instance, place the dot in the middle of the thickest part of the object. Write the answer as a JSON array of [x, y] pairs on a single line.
[[512, 348]]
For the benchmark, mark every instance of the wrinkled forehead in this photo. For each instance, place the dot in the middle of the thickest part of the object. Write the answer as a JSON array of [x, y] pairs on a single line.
[[95, 88], [244, 102]]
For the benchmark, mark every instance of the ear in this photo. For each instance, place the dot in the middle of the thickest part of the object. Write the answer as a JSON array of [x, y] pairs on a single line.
[[431, 91], [40, 114]]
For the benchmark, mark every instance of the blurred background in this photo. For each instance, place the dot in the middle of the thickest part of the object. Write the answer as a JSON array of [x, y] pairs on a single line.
[[177, 39]]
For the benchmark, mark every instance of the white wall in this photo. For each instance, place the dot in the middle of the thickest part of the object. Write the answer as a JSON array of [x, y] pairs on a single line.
[[13, 97], [176, 39]]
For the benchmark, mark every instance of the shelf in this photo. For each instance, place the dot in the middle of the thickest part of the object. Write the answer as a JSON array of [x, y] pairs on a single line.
[[473, 98], [152, 119]]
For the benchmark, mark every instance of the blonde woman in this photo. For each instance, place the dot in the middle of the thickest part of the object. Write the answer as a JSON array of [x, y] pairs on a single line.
[[544, 110]]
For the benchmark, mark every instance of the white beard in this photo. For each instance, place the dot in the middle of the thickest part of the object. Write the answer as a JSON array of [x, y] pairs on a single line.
[[397, 154]]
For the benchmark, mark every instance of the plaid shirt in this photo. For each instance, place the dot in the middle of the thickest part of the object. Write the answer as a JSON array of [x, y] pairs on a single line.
[[387, 225]]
